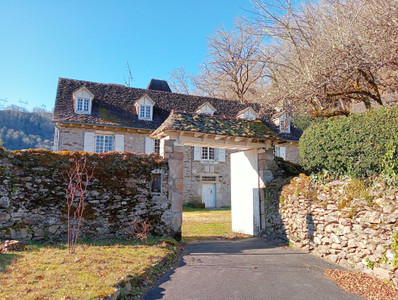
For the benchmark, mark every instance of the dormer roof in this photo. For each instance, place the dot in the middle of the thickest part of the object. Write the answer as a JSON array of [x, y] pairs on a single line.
[[206, 108], [83, 92], [145, 99], [248, 111]]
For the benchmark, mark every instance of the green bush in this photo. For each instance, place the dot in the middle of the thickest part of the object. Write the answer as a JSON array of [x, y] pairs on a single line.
[[361, 145]]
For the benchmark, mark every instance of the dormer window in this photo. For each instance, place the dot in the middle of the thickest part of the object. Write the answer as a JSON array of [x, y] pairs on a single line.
[[83, 99], [206, 109], [145, 108], [284, 123], [83, 105], [145, 112], [247, 113]]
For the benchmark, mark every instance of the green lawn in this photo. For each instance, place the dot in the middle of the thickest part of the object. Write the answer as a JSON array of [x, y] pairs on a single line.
[[203, 224]]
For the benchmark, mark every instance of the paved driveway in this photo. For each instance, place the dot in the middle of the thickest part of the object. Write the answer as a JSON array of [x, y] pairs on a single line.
[[246, 269]]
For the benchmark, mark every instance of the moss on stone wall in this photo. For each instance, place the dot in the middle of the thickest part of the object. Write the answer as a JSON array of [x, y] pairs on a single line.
[[33, 185]]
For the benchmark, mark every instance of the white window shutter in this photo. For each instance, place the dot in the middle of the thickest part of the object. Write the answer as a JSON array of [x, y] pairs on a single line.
[[221, 154], [197, 153], [277, 151], [149, 145], [88, 144], [119, 142], [282, 152]]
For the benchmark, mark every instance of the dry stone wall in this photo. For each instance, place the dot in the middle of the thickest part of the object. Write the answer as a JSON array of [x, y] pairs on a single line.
[[343, 221], [33, 185]]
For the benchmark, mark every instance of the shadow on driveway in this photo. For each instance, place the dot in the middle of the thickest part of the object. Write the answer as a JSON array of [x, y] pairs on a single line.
[[246, 269]]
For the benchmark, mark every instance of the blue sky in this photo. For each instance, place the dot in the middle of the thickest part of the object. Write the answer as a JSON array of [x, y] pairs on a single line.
[[92, 40]]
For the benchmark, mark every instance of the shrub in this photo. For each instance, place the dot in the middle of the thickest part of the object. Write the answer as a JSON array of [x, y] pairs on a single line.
[[361, 145]]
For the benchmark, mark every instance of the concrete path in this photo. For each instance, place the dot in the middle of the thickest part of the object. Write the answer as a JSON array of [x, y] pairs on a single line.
[[246, 269]]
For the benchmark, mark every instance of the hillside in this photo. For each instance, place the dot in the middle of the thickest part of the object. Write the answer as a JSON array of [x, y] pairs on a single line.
[[26, 130]]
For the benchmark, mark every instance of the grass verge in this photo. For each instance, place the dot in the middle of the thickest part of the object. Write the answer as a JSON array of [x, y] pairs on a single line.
[[49, 272]]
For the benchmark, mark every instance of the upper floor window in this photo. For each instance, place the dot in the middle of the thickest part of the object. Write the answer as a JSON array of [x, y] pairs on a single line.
[[83, 105], [208, 153], [145, 108], [284, 123], [83, 101], [104, 143], [145, 112]]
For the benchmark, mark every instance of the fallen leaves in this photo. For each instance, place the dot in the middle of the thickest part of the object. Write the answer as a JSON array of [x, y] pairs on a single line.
[[363, 285]]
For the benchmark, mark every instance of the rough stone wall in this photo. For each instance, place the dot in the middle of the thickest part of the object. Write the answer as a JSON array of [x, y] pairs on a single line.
[[72, 139], [32, 195], [342, 221], [292, 152], [194, 168]]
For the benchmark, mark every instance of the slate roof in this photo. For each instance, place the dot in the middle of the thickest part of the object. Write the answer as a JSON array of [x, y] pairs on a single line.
[[114, 105], [210, 124], [293, 136]]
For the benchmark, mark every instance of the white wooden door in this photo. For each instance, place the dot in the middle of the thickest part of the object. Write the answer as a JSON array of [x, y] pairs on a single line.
[[209, 194]]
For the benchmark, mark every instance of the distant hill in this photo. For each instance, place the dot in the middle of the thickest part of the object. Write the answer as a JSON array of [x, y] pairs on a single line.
[[26, 130]]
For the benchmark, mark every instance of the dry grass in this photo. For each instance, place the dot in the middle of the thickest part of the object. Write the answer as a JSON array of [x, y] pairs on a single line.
[[49, 272], [204, 224]]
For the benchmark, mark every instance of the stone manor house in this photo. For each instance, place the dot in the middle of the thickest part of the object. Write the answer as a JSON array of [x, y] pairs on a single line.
[[98, 117]]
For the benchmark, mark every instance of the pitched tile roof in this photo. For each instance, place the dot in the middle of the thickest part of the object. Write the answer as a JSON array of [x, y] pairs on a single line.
[[191, 122], [113, 105]]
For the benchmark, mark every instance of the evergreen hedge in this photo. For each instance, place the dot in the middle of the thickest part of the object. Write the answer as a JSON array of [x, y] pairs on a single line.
[[360, 145]]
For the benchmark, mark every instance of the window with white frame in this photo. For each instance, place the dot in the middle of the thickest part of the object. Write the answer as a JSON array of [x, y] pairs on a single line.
[[145, 112], [284, 123], [83, 99], [157, 146], [144, 107], [83, 105], [208, 153], [104, 143]]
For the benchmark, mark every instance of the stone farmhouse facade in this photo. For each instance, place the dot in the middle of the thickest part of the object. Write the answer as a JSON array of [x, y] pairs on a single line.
[[96, 117]]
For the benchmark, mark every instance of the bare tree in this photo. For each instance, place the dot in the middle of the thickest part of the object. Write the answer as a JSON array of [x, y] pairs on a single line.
[[234, 66], [78, 179], [331, 54], [181, 81]]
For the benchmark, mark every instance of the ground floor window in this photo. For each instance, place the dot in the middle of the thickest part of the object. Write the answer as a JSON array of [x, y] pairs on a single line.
[[104, 143], [156, 183]]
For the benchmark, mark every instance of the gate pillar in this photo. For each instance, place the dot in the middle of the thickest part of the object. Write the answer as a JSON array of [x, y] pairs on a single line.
[[174, 153]]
